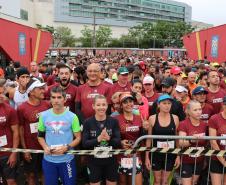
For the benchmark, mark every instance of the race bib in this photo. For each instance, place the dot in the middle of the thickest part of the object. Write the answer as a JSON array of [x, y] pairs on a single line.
[[165, 144], [128, 163], [3, 141], [34, 127], [103, 152], [223, 142], [196, 148]]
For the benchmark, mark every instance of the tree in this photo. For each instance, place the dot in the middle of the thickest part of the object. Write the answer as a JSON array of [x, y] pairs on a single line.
[[64, 37], [87, 37], [103, 36]]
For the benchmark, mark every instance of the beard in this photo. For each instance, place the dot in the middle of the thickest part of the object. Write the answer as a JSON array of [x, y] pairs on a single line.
[[64, 83]]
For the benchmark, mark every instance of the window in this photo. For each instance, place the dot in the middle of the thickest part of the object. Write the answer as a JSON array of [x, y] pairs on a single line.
[[23, 14]]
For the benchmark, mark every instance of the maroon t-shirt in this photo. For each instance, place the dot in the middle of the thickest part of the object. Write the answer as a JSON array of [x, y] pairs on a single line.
[[51, 80], [117, 88], [71, 92], [28, 118], [152, 99], [218, 123], [207, 112], [216, 99], [86, 94], [8, 118], [129, 130], [191, 130], [223, 85]]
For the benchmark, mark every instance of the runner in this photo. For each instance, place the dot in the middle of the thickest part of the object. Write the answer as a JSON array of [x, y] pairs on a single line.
[[199, 94], [101, 132], [192, 126], [56, 129], [19, 94], [28, 114], [87, 92], [216, 94], [9, 138], [130, 129], [64, 82], [217, 127], [162, 123]]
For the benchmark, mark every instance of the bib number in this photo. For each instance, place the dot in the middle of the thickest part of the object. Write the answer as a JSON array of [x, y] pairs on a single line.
[[223, 142], [102, 152], [127, 163], [165, 144], [3, 141], [34, 127]]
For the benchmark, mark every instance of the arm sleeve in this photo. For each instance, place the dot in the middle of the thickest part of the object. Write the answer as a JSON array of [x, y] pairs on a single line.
[[182, 127], [75, 125], [86, 141], [115, 140], [212, 123], [41, 126]]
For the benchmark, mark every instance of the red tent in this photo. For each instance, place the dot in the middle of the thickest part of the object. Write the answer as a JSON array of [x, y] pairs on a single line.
[[207, 44], [23, 43]]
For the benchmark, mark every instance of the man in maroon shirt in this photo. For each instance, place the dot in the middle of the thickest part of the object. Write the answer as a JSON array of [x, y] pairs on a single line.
[[122, 85], [64, 82], [28, 114], [215, 93], [87, 92], [9, 138], [199, 94]]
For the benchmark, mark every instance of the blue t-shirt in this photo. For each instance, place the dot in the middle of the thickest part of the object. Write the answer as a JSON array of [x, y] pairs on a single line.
[[59, 130]]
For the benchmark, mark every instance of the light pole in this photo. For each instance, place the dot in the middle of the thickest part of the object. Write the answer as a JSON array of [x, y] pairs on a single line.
[[154, 37], [94, 31]]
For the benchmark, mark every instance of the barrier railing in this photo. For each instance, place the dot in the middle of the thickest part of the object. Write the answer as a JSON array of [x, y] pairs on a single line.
[[198, 152]]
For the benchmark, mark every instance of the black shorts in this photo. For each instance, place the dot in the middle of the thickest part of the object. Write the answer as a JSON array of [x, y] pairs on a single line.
[[160, 162], [5, 170], [35, 165], [99, 172], [217, 167], [187, 170]]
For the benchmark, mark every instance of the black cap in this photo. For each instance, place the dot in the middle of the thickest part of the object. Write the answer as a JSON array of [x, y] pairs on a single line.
[[21, 71], [168, 82]]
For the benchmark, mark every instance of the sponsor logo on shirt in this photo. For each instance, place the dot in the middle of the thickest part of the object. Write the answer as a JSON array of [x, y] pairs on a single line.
[[92, 95], [56, 126], [150, 103], [205, 116], [218, 100], [2, 119], [93, 133], [132, 129], [68, 96]]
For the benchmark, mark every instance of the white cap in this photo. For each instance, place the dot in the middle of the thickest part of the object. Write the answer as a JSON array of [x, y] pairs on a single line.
[[180, 88], [148, 80], [34, 85]]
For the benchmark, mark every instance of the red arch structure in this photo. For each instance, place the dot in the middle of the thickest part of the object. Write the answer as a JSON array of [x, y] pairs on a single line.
[[23, 43]]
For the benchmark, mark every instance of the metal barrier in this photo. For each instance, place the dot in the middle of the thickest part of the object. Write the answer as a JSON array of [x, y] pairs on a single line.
[[160, 137]]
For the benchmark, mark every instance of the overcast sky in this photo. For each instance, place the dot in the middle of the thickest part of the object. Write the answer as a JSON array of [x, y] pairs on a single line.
[[208, 11]]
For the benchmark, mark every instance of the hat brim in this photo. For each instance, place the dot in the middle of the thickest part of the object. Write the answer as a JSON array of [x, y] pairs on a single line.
[[206, 92], [127, 97], [171, 99], [165, 84], [123, 73]]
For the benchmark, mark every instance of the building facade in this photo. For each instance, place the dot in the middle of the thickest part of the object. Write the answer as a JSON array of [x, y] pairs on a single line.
[[119, 14]]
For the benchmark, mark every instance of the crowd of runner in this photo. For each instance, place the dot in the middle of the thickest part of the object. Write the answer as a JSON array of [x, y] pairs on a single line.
[[105, 103]]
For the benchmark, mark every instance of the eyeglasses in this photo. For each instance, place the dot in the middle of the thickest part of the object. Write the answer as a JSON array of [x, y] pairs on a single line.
[[127, 101]]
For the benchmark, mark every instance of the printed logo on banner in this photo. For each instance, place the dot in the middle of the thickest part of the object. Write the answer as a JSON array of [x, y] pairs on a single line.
[[214, 46], [22, 44]]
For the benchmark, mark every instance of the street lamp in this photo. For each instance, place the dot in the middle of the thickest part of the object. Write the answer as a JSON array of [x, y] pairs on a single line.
[[154, 37]]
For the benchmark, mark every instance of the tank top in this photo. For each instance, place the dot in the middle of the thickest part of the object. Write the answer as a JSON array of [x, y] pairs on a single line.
[[19, 97], [168, 130]]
